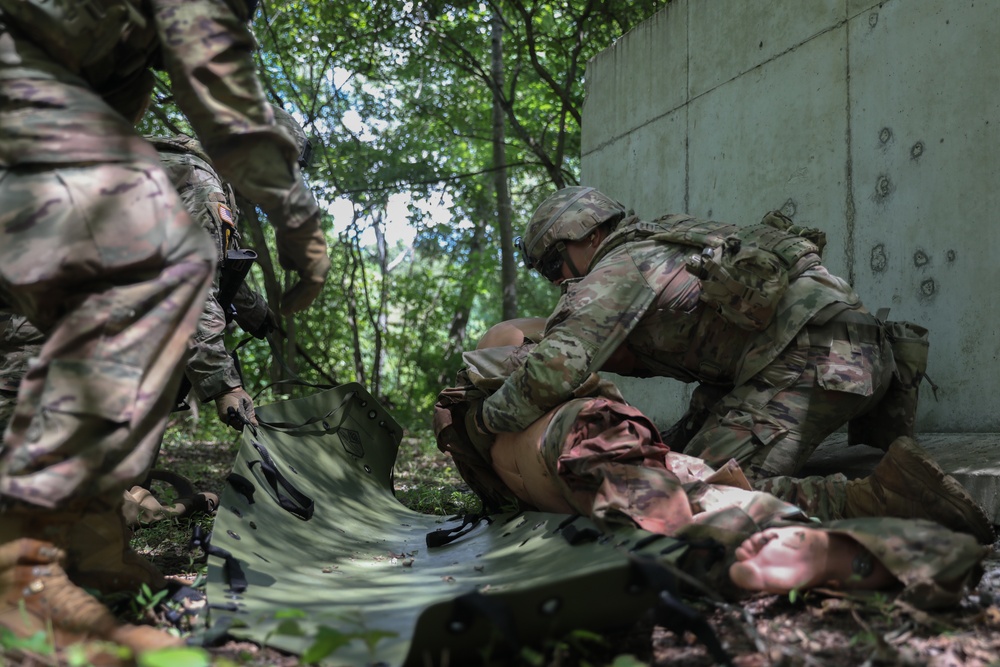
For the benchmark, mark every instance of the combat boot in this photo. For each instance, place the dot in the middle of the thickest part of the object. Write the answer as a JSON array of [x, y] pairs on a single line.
[[99, 556], [907, 483], [37, 595]]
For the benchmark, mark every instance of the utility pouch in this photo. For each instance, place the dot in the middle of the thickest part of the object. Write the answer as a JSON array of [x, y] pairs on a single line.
[[744, 271], [77, 33], [895, 415], [745, 276]]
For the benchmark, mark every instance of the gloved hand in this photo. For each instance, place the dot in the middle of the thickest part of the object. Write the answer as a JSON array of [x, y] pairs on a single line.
[[266, 326], [241, 405], [303, 249]]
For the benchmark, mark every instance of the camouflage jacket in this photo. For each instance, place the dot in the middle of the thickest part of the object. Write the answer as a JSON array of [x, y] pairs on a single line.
[[203, 45], [640, 296]]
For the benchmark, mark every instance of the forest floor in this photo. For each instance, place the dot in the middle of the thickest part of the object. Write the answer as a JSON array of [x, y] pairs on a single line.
[[815, 629]]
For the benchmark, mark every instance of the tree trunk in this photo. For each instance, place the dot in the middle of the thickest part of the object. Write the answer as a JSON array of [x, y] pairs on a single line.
[[508, 263]]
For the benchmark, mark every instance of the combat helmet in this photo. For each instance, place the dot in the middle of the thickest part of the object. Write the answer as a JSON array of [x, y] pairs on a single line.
[[568, 215]]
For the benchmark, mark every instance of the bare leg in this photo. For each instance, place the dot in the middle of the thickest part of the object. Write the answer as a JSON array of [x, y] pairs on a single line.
[[779, 560]]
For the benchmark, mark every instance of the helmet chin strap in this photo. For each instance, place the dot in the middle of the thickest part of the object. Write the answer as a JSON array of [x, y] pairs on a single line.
[[561, 247]]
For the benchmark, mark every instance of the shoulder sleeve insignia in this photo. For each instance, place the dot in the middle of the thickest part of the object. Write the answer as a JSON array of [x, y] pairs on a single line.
[[226, 215]]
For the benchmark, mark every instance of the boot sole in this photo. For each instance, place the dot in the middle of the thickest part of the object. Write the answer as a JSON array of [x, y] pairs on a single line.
[[911, 457]]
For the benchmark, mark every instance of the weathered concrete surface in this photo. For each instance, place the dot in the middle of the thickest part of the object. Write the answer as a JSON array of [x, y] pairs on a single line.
[[875, 121], [972, 458]]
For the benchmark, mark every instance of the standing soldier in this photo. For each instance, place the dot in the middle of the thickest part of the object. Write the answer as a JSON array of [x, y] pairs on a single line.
[[97, 250]]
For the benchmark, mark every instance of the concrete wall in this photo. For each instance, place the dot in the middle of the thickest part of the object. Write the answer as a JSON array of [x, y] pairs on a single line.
[[877, 122]]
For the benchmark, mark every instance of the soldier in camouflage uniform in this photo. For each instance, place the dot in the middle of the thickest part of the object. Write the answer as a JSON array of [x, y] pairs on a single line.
[[98, 251], [211, 370], [774, 378], [769, 391], [596, 456]]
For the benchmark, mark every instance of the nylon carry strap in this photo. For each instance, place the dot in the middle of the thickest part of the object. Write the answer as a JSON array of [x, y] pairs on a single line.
[[299, 504]]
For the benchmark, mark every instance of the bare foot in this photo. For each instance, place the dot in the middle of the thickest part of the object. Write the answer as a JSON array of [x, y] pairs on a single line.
[[779, 560]]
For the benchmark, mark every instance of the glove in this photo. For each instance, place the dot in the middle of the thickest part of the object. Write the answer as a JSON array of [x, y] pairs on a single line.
[[269, 324], [266, 325], [235, 408], [303, 249]]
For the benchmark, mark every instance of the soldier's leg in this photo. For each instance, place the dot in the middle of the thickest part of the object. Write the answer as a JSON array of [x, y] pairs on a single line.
[[906, 483], [931, 564], [773, 422], [119, 278], [109, 265]]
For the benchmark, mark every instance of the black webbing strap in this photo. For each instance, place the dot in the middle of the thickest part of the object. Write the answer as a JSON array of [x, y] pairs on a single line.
[[296, 502], [443, 536], [669, 612], [575, 535], [234, 574], [242, 486]]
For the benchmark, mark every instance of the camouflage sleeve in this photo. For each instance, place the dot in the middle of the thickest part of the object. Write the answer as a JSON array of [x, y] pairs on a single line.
[[210, 369], [593, 318], [207, 52]]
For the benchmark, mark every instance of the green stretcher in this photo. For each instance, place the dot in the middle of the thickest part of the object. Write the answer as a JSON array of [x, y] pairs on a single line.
[[312, 554]]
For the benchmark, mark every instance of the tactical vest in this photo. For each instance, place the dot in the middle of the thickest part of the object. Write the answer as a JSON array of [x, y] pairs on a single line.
[[744, 271]]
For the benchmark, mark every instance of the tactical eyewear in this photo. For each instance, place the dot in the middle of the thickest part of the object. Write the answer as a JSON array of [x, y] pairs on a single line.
[[550, 265]]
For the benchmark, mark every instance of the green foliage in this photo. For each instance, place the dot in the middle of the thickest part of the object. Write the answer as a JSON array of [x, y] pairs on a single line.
[[146, 600], [38, 643], [185, 656], [398, 105]]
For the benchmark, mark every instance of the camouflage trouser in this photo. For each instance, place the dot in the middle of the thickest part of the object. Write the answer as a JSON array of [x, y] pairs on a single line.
[[774, 422], [609, 464], [108, 264]]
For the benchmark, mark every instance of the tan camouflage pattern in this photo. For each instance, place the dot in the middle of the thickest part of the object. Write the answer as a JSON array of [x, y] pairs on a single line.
[[104, 259], [210, 368], [97, 250], [52, 116], [640, 297]]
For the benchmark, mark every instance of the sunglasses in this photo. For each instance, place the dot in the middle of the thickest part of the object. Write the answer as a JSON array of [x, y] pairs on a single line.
[[550, 265]]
